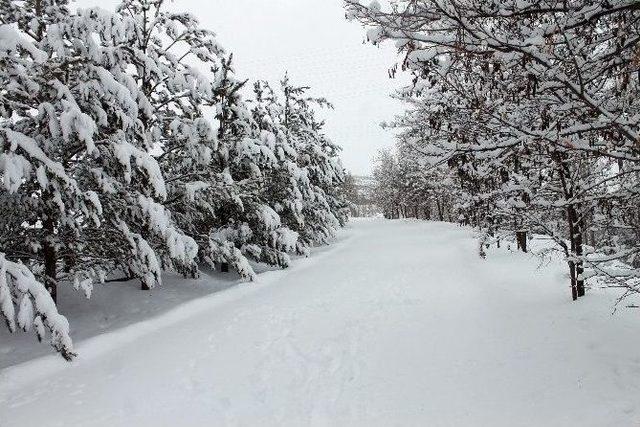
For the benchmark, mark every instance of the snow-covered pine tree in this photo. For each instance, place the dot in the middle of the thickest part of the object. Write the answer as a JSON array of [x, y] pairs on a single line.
[[324, 207], [284, 180], [69, 116], [209, 149], [302, 180], [180, 71], [235, 181], [43, 134], [25, 302]]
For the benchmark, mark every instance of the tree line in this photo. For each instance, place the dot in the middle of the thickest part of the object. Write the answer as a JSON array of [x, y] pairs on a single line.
[[522, 117], [127, 149]]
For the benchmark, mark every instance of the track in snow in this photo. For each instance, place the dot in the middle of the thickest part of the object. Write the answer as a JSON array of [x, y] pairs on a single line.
[[401, 323]]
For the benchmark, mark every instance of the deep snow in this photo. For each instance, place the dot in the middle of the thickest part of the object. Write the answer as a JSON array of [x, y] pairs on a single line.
[[113, 306], [399, 323]]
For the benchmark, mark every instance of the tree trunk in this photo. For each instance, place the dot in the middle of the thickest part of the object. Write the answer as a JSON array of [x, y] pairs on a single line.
[[575, 231], [579, 263], [521, 240], [440, 213], [50, 257], [574, 288], [224, 267], [143, 285], [576, 266]]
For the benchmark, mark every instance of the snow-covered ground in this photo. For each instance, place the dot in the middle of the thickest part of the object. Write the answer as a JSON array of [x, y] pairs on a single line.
[[113, 306], [399, 323]]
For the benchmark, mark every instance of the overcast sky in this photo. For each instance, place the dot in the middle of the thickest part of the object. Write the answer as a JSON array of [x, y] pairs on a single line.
[[312, 40]]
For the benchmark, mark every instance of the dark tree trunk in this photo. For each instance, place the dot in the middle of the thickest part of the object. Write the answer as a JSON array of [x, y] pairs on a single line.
[[521, 240], [69, 263], [224, 267], [576, 239], [50, 258], [440, 213], [574, 287], [580, 269], [575, 232]]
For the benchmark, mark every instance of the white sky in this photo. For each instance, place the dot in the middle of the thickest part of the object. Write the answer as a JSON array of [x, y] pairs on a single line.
[[312, 40]]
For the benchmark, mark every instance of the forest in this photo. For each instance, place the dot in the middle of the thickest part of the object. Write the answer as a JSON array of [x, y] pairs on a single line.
[[127, 150], [522, 118]]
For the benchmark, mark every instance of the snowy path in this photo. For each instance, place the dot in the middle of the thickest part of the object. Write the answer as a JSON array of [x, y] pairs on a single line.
[[399, 324]]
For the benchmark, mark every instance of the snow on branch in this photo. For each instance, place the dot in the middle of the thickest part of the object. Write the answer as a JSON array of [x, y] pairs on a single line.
[[25, 303]]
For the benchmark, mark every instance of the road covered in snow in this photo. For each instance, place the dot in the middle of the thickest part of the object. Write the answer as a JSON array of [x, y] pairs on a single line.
[[399, 323]]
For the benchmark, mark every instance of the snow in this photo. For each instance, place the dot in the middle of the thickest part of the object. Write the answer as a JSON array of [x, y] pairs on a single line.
[[398, 323], [14, 169], [180, 246], [11, 40], [192, 188], [74, 122], [124, 151], [16, 281], [144, 262], [30, 146]]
